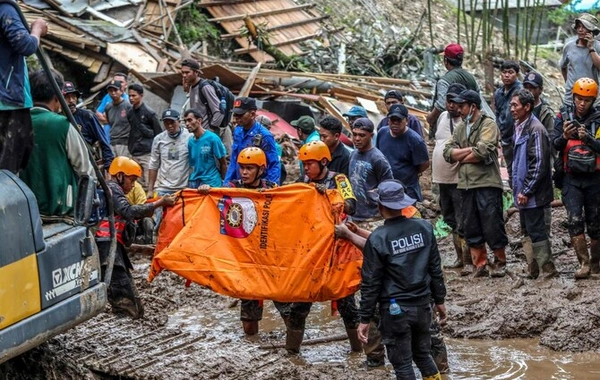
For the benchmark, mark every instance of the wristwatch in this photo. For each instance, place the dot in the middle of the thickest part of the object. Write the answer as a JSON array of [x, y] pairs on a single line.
[[592, 50]]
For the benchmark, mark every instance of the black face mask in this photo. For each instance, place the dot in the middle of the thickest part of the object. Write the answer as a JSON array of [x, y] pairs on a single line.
[[176, 134]]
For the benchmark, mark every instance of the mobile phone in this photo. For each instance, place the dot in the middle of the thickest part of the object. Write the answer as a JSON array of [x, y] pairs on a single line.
[[576, 124]]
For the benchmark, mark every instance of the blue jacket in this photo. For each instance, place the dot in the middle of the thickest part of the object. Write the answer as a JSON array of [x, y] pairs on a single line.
[[92, 132], [531, 166], [504, 118], [15, 45], [260, 137]]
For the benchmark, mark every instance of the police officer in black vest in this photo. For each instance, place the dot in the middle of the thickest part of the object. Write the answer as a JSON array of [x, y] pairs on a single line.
[[402, 272]]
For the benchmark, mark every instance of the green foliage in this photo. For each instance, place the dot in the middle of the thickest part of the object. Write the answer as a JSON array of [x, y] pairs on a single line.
[[440, 228], [560, 16], [193, 26]]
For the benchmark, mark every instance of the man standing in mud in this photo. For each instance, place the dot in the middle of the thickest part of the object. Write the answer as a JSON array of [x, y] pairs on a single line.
[[474, 146], [402, 272], [532, 183], [445, 175], [16, 131]]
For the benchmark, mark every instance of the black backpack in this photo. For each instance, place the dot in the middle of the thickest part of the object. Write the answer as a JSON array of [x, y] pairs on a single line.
[[223, 93]]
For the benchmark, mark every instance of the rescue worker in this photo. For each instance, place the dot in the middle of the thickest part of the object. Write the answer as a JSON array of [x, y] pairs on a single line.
[[578, 141], [252, 165], [122, 293], [402, 272], [315, 156]]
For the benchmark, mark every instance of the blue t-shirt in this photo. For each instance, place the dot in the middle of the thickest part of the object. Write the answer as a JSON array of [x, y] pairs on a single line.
[[405, 153], [367, 170], [203, 153]]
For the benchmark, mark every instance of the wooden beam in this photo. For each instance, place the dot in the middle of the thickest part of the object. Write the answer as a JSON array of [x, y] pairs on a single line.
[[245, 91], [208, 4], [334, 112], [279, 27], [148, 23], [264, 13], [145, 45], [281, 43]]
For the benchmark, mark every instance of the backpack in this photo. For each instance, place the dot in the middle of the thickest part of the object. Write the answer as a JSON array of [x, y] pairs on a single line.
[[225, 96]]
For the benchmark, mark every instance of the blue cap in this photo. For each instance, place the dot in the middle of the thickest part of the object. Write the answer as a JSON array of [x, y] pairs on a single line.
[[356, 111], [390, 193]]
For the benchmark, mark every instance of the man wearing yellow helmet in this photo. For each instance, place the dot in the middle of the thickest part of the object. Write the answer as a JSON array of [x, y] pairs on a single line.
[[251, 165], [315, 156], [122, 293], [577, 139]]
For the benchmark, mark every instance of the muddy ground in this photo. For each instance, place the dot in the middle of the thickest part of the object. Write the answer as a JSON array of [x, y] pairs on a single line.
[[193, 333]]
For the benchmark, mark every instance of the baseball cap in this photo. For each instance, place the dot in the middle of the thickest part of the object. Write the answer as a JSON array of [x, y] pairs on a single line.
[[170, 114], [534, 79], [304, 123], [588, 21], [364, 124], [114, 84], [191, 63], [393, 94], [356, 111], [454, 51], [398, 110], [243, 105], [468, 96], [454, 89], [391, 194], [69, 88]]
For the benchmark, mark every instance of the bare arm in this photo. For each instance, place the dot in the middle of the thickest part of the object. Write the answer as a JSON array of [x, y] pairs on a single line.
[[152, 174], [223, 167], [424, 166]]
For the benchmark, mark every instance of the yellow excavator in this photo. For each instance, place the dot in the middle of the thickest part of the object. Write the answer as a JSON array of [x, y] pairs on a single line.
[[50, 277]]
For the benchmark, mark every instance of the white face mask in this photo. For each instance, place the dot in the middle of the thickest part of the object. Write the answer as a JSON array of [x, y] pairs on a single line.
[[468, 118]]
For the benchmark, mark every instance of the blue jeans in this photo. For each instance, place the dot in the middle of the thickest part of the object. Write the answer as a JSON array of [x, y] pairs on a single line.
[[407, 338]]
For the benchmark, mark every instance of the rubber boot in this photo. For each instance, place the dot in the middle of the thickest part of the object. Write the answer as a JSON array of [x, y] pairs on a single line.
[[293, 340], [533, 268], [458, 263], [468, 267], [479, 255], [543, 255], [355, 344], [437, 376], [594, 256], [580, 246], [499, 268], [250, 327]]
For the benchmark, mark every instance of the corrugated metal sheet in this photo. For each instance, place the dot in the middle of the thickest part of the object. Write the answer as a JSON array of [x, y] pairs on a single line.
[[288, 23], [102, 30]]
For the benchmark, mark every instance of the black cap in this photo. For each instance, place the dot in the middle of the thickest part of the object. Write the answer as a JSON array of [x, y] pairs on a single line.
[[468, 96], [364, 124], [534, 79], [114, 84], [243, 105], [393, 94], [398, 110], [69, 88], [454, 89], [191, 63], [170, 114]]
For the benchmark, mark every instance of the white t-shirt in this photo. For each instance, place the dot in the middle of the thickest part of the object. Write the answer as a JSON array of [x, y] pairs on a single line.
[[441, 171]]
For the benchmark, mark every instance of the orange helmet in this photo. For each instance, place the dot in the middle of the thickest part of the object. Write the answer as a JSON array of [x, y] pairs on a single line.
[[314, 150], [585, 87], [252, 156], [125, 165]]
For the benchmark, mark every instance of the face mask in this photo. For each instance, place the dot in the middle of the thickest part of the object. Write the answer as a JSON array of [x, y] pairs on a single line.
[[469, 116], [176, 134]]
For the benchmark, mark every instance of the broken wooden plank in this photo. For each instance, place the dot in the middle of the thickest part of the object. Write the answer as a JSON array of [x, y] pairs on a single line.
[[207, 4], [146, 46], [324, 102], [245, 91], [263, 13], [282, 43], [279, 27]]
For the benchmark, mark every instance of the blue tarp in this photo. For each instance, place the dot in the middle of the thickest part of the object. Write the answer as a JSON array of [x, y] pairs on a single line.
[[583, 5]]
